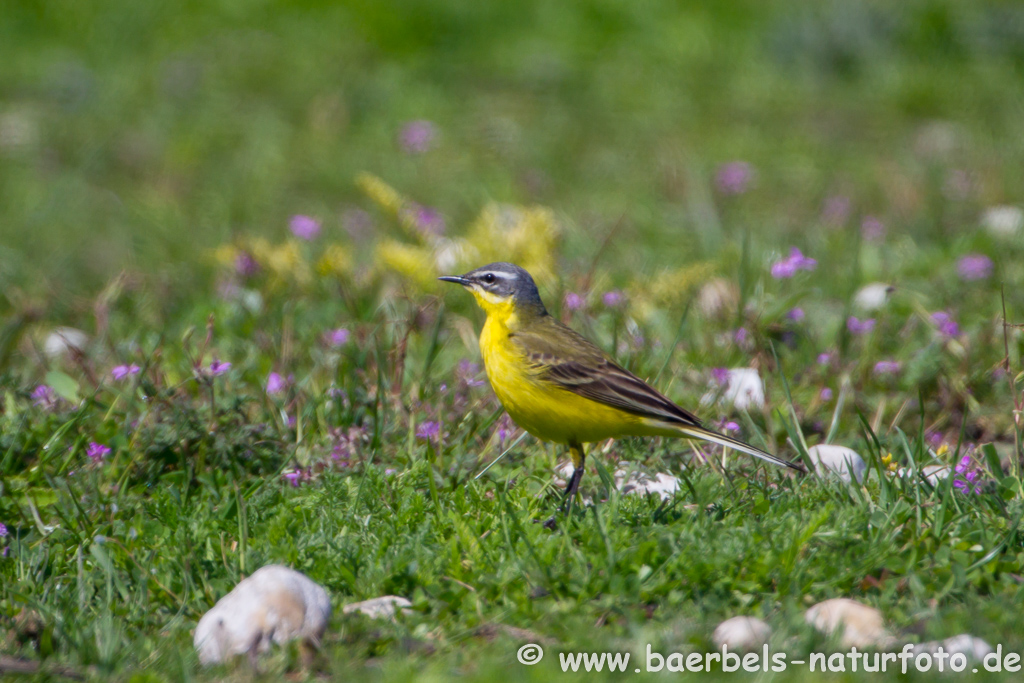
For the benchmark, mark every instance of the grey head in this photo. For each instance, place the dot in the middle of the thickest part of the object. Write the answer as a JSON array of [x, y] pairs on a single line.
[[502, 280]]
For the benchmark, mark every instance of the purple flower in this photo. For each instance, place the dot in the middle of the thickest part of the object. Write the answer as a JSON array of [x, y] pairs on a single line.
[[427, 221], [613, 298], [431, 431], [974, 267], [218, 367], [825, 394], [3, 529], [505, 428], [338, 337], [788, 267], [856, 326], [887, 367], [720, 375], [740, 335], [824, 358], [468, 373], [573, 301], [947, 326], [97, 452], [295, 478], [390, 472], [795, 314], [275, 383], [121, 371], [783, 269], [837, 210], [730, 426], [246, 265], [872, 229], [800, 261], [417, 136], [966, 475], [43, 396], [734, 177], [304, 227]]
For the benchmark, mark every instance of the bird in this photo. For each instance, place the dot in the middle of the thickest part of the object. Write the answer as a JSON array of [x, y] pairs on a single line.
[[559, 387]]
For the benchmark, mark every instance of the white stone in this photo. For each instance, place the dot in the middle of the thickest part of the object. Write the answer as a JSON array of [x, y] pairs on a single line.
[[839, 461], [63, 340], [274, 605], [741, 633], [717, 296], [858, 625], [971, 647], [1003, 221], [745, 388], [933, 474], [638, 483], [872, 296], [384, 607]]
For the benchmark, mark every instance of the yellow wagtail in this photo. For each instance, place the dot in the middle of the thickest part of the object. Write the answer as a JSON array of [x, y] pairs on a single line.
[[558, 386]]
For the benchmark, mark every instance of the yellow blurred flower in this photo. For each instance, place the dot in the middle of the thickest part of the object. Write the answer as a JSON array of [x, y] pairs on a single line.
[[226, 255], [283, 261], [335, 261], [943, 449], [382, 194], [527, 236], [889, 462], [670, 288], [411, 262]]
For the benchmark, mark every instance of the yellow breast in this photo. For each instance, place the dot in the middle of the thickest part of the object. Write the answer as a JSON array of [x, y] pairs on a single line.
[[544, 409]]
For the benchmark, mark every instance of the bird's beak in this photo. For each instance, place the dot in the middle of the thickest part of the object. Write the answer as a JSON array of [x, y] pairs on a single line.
[[457, 279]]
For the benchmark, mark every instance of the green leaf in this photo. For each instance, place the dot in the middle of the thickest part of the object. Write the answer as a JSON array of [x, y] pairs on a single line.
[[761, 506], [992, 459], [65, 386]]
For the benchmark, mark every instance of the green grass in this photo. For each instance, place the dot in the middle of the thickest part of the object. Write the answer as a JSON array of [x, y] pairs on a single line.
[[143, 147]]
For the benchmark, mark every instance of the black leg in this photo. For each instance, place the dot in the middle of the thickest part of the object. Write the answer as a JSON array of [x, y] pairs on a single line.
[[579, 458]]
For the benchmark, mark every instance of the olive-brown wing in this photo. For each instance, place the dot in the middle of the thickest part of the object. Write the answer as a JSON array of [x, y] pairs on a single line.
[[560, 355]]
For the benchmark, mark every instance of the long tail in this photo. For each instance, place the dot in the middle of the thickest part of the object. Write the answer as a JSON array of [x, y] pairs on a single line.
[[723, 440]]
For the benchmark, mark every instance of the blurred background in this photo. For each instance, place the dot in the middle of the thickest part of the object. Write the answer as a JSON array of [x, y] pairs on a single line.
[[137, 137]]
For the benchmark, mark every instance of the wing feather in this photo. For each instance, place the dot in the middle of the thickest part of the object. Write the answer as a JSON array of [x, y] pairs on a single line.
[[568, 360]]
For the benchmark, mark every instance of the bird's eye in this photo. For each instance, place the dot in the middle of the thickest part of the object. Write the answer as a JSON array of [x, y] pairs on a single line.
[[489, 278]]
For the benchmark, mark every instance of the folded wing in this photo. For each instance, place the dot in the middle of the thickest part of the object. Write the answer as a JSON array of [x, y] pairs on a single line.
[[568, 360]]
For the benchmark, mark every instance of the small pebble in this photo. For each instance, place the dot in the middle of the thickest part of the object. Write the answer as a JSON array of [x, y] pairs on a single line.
[[872, 296], [860, 625], [745, 389], [64, 340], [661, 484], [274, 605], [741, 633], [973, 648], [383, 607], [933, 474], [839, 461]]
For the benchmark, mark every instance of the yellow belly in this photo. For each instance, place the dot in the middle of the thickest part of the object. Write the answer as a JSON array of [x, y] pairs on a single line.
[[543, 409]]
